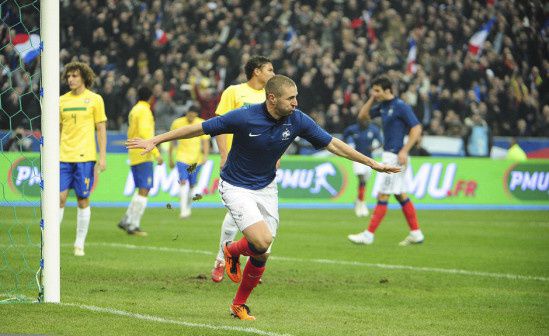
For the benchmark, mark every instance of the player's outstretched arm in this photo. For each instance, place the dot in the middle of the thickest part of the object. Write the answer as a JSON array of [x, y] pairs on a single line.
[[148, 145], [340, 148]]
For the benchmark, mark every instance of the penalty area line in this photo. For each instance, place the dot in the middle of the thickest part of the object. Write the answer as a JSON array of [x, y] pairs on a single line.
[[158, 319], [342, 262]]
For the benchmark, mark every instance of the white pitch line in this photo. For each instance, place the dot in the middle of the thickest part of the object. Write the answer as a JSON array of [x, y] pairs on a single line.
[[342, 262], [169, 321]]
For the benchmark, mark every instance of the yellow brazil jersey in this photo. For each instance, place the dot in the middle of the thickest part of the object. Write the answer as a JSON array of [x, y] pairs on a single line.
[[141, 125], [236, 96], [189, 151], [78, 116]]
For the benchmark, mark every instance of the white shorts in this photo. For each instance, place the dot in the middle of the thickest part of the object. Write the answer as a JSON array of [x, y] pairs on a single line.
[[362, 169], [248, 207], [393, 184]]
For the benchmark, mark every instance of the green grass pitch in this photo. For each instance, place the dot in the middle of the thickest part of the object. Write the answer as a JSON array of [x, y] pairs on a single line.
[[478, 273]]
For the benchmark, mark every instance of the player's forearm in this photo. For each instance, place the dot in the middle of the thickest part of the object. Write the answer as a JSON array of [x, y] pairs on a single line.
[[102, 139], [221, 141], [364, 113], [206, 148], [340, 148], [179, 133], [413, 137]]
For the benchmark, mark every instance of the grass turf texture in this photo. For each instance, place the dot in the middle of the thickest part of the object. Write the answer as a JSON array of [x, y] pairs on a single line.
[[310, 286]]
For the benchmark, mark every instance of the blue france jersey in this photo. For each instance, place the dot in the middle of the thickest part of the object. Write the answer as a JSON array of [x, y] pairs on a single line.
[[259, 141], [397, 118], [362, 137]]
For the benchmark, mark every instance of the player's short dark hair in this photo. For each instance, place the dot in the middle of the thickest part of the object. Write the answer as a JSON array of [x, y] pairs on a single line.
[[85, 71], [194, 108], [144, 93], [255, 62], [384, 82], [276, 83]]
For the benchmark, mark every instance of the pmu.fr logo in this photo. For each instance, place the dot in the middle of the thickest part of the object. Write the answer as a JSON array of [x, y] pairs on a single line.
[[528, 181], [24, 177], [311, 179]]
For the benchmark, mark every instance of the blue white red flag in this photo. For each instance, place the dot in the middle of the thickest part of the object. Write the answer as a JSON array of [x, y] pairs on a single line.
[[411, 67], [27, 46], [477, 40]]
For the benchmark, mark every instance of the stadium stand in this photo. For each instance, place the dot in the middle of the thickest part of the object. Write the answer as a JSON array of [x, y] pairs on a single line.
[[191, 50]]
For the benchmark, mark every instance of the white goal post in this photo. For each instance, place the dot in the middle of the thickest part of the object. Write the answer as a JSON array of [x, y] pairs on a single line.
[[51, 260]]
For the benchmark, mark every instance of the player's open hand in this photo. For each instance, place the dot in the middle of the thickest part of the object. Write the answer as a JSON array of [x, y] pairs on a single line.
[[136, 143], [383, 168]]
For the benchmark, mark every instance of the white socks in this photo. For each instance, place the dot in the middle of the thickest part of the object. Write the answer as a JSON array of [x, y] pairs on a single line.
[[82, 225], [184, 200], [136, 209], [228, 232]]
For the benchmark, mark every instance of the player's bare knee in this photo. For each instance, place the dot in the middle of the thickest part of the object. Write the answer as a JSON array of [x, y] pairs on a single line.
[[260, 245]]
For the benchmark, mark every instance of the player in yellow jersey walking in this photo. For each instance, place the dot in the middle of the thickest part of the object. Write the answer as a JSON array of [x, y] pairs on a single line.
[[258, 71], [141, 124], [189, 152], [82, 112]]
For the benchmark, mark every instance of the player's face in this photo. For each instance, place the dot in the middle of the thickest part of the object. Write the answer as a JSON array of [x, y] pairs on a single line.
[[191, 115], [265, 72], [75, 80], [287, 102], [379, 94]]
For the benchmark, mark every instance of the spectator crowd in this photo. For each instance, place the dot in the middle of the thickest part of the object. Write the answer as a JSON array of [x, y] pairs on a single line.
[[188, 51]]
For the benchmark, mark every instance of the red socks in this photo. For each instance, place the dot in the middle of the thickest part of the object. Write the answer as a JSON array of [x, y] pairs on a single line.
[[361, 191], [241, 247], [410, 214], [379, 212], [250, 279]]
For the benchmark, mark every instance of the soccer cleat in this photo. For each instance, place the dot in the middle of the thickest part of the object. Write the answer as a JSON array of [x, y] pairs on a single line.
[[79, 251], [137, 232], [361, 210], [357, 208], [242, 312], [123, 225], [218, 271], [364, 210], [232, 265], [412, 239], [365, 238]]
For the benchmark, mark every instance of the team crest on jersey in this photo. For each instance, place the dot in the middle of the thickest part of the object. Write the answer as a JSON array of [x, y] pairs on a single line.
[[286, 134], [369, 135], [87, 101], [390, 111]]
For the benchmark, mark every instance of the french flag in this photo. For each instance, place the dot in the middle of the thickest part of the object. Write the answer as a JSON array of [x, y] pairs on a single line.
[[27, 46], [477, 40], [411, 67], [161, 37], [367, 17]]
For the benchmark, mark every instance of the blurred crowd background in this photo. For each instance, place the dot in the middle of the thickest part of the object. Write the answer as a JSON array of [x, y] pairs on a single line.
[[189, 51]]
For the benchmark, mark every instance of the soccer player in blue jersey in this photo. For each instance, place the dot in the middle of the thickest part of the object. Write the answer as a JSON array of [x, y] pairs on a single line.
[[363, 135], [262, 133], [398, 120]]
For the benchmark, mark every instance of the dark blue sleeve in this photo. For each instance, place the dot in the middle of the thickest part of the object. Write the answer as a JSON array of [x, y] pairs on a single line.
[[347, 133], [377, 134], [375, 111], [310, 131], [228, 123], [407, 115]]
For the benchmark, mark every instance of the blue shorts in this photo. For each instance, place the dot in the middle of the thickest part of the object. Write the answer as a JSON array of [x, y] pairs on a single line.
[[77, 176], [143, 175], [184, 175]]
